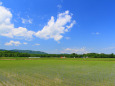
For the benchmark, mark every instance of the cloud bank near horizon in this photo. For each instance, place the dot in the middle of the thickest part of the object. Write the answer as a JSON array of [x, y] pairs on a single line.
[[76, 50]]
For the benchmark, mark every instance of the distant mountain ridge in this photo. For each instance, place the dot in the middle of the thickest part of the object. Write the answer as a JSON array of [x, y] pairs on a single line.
[[26, 51]]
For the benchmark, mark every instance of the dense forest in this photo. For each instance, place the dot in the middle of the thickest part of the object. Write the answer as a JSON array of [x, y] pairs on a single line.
[[73, 55]]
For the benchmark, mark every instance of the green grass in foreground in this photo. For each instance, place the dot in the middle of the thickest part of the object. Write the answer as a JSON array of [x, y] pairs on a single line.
[[57, 72]]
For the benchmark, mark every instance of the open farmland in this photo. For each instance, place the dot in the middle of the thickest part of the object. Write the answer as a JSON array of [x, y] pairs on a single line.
[[57, 72]]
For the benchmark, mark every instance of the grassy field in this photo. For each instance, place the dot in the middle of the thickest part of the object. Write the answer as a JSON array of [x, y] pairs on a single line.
[[57, 72]]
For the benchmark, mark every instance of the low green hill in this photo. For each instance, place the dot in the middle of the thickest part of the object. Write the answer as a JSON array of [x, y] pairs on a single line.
[[26, 51]]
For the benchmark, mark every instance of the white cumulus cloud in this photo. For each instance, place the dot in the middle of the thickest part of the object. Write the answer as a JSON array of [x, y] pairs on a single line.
[[11, 43], [8, 29], [55, 29], [78, 51]]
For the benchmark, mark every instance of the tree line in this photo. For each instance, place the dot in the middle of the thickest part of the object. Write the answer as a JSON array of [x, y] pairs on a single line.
[[73, 55]]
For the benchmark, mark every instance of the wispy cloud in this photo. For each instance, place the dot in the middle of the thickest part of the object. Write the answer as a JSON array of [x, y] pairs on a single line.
[[0, 3], [59, 6], [36, 44], [96, 33], [67, 38], [25, 43], [26, 21]]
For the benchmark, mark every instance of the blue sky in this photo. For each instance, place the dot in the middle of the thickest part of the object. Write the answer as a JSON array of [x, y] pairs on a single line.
[[58, 26]]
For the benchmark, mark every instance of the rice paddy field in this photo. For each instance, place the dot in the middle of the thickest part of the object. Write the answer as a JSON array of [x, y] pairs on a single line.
[[57, 72]]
